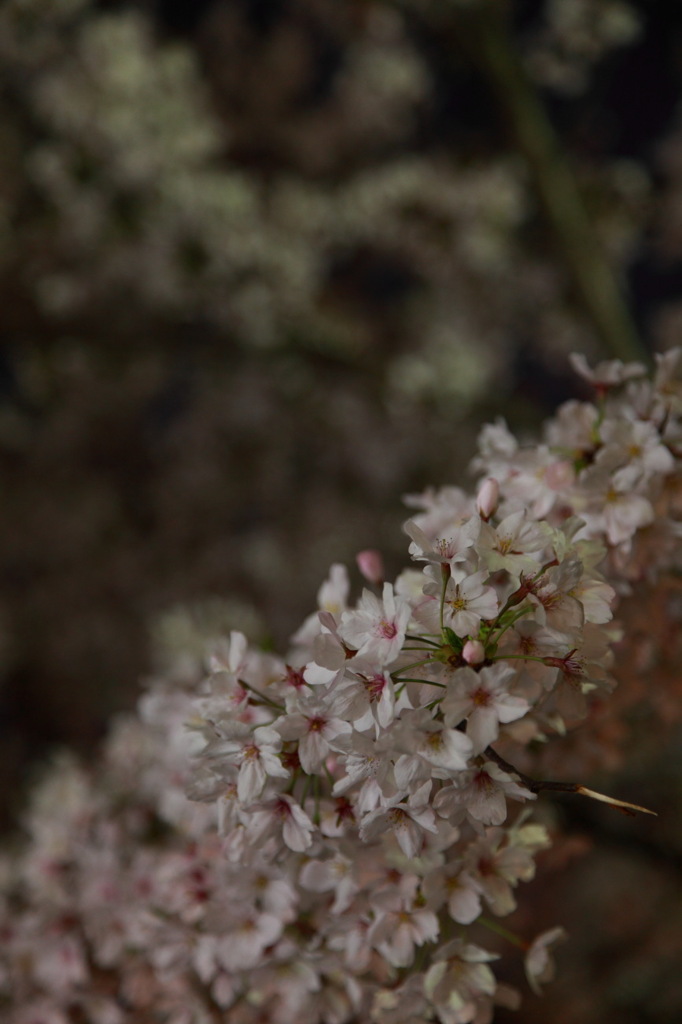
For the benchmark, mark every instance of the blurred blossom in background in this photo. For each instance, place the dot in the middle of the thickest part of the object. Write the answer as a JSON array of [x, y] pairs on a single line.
[[266, 267]]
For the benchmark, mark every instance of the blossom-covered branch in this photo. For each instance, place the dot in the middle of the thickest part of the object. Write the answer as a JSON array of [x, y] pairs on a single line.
[[352, 825]]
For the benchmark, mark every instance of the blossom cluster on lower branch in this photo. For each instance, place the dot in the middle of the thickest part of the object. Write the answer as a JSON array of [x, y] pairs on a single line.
[[354, 830]]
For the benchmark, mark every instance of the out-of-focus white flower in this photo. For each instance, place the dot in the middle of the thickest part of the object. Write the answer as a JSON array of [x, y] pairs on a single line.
[[255, 752], [538, 960], [280, 816], [460, 981], [371, 565], [453, 887], [407, 821], [332, 597], [401, 925], [488, 497], [608, 374]]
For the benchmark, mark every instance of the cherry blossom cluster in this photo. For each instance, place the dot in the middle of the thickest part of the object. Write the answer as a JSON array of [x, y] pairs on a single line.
[[355, 827]]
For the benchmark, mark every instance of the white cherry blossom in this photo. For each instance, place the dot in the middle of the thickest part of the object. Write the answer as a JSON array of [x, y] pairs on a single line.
[[607, 374], [280, 816], [452, 886], [514, 544], [366, 698], [434, 750], [448, 549], [377, 628], [400, 926], [335, 874], [365, 759], [467, 600], [313, 721], [480, 794], [250, 932], [484, 700], [460, 981], [255, 752], [538, 961], [408, 821]]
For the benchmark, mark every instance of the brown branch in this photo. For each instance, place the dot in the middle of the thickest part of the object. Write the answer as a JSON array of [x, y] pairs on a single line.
[[538, 785], [480, 31]]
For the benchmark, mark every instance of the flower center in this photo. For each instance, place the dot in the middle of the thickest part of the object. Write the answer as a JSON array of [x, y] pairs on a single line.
[[387, 629], [527, 645], [483, 782], [485, 867], [294, 678], [374, 687], [435, 740]]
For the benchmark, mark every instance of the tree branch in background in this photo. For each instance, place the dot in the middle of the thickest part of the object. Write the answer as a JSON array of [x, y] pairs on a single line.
[[480, 30]]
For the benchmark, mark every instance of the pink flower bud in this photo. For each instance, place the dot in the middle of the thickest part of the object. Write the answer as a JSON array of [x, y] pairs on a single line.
[[473, 652], [487, 498], [370, 564]]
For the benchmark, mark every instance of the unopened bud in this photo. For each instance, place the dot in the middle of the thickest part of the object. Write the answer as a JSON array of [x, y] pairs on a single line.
[[371, 565], [473, 652], [488, 497]]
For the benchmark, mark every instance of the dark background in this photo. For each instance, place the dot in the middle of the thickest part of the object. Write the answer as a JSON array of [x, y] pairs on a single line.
[[265, 267]]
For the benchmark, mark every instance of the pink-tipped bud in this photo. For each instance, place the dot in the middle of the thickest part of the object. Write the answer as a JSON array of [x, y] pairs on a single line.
[[473, 652], [370, 564], [488, 497]]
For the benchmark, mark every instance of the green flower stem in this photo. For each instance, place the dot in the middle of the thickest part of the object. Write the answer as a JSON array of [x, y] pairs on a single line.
[[261, 696], [445, 576], [317, 816], [427, 682], [413, 664], [493, 926], [504, 627], [421, 640]]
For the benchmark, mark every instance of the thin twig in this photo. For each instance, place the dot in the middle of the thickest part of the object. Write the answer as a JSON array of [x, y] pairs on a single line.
[[539, 785]]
